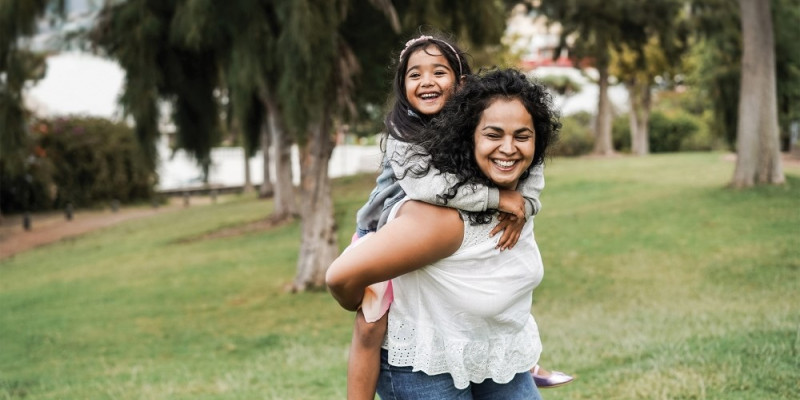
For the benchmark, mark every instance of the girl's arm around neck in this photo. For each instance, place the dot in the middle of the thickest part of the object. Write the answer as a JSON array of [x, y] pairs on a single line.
[[531, 188], [420, 235], [404, 158]]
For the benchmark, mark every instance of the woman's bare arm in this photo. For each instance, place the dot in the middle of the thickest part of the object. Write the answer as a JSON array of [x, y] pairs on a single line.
[[420, 235]]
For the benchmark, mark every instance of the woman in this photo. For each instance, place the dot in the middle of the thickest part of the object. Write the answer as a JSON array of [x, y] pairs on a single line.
[[460, 324]]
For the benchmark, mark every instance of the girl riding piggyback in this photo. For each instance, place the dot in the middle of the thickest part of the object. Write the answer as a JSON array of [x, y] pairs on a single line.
[[428, 72]]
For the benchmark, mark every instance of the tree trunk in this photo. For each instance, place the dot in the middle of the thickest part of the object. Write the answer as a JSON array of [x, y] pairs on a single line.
[[640, 101], [757, 143], [248, 180], [266, 189], [602, 124], [319, 246], [284, 199]]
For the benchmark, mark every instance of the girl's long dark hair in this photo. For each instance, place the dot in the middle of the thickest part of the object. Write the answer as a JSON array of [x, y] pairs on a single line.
[[449, 138]]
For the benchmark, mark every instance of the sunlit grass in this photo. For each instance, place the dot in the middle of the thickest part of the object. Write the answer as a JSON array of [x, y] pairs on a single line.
[[660, 283]]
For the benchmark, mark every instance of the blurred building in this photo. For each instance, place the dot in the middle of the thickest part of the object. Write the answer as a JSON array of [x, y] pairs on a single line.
[[535, 40]]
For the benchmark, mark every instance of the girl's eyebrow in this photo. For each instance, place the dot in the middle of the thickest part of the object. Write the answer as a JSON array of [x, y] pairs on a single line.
[[434, 65]]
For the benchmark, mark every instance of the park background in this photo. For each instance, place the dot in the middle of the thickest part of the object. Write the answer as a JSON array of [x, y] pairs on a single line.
[[667, 276]]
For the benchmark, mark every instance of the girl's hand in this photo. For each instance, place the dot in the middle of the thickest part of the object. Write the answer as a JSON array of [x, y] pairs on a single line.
[[512, 229], [513, 203]]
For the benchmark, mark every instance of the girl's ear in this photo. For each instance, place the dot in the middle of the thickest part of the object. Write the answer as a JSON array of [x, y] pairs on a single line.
[[461, 80]]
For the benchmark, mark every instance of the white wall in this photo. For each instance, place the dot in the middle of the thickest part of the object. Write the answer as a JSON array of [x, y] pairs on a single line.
[[227, 169]]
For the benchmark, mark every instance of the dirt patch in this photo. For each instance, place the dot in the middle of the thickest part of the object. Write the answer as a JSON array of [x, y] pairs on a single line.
[[52, 227]]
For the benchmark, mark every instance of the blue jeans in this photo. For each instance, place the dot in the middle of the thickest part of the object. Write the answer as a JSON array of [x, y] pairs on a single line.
[[401, 383]]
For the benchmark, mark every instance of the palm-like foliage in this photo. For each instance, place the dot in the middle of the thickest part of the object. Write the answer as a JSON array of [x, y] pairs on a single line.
[[18, 19]]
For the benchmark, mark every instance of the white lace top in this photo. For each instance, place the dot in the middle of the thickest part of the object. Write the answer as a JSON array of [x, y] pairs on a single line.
[[469, 314]]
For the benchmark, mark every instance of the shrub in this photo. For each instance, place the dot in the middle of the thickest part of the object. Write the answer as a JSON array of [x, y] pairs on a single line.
[[667, 132], [80, 160], [621, 133], [25, 181], [94, 160], [576, 136]]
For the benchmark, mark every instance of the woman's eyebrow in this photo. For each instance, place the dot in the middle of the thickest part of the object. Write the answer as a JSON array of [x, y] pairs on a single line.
[[492, 127], [499, 129]]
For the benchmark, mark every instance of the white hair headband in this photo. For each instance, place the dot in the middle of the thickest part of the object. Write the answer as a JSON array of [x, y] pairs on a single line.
[[425, 37]]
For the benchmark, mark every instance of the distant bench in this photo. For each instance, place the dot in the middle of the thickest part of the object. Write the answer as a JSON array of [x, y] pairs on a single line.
[[205, 190]]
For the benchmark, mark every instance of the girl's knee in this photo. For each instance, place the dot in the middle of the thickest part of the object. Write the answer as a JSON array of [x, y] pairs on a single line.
[[370, 334]]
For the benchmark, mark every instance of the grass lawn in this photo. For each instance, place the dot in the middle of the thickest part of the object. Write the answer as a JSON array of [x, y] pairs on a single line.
[[660, 283]]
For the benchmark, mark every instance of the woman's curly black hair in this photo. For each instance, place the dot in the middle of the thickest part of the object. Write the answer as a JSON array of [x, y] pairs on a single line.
[[449, 139]]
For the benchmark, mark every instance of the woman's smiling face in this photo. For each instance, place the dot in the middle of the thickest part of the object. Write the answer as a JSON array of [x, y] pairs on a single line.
[[429, 80], [504, 142]]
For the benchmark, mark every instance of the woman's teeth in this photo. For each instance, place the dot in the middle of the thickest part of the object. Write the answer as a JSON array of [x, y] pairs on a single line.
[[503, 163]]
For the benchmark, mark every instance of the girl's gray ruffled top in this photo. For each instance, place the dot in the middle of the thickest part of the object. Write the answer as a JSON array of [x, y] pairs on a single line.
[[394, 183]]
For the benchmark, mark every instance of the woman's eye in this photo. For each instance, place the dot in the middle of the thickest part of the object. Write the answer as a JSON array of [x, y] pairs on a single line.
[[523, 138]]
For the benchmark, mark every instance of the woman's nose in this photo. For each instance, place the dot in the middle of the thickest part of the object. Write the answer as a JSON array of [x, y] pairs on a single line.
[[507, 145]]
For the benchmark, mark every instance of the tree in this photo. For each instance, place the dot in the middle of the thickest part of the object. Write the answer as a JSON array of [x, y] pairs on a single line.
[[17, 19], [162, 64], [17, 66], [326, 54], [596, 30], [638, 74], [717, 55], [638, 61], [757, 144], [317, 71], [266, 189]]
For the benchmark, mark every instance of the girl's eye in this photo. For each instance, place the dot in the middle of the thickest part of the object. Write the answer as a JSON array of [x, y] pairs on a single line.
[[413, 75]]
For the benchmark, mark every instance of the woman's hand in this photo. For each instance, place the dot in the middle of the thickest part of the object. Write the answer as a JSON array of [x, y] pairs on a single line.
[[512, 230]]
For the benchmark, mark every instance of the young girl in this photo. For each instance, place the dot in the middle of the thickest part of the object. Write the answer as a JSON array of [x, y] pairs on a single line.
[[428, 72]]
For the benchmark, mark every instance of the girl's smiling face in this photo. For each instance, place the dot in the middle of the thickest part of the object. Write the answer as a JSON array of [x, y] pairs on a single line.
[[504, 142], [429, 80]]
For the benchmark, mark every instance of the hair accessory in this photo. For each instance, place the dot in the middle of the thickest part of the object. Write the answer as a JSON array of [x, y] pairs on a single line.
[[426, 37]]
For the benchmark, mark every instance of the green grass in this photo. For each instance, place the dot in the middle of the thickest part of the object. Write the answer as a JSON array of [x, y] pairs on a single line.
[[660, 283]]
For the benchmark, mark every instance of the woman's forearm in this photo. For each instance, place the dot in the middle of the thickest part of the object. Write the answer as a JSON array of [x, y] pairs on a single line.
[[420, 235]]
